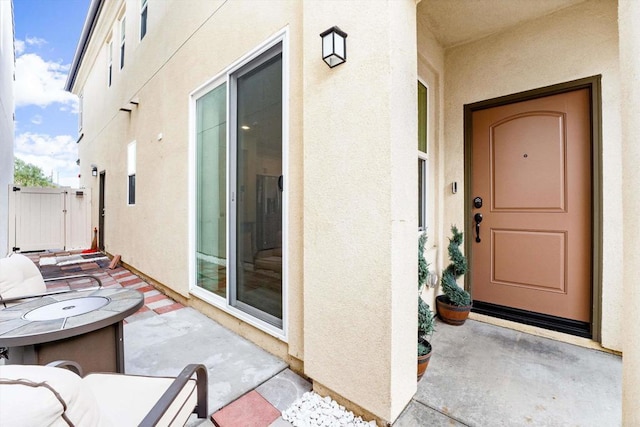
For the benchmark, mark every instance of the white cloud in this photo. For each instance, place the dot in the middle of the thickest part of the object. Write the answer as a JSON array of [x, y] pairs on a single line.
[[19, 46], [35, 41], [37, 119], [40, 82], [55, 155]]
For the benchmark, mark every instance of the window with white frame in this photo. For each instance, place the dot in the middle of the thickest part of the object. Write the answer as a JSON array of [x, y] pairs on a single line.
[[122, 25], [423, 155], [144, 6], [109, 62], [131, 173]]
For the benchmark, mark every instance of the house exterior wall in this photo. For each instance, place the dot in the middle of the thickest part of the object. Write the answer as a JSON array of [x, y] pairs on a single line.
[[350, 161], [431, 72], [182, 50], [7, 66], [573, 43], [628, 14], [350, 256], [360, 221], [174, 58]]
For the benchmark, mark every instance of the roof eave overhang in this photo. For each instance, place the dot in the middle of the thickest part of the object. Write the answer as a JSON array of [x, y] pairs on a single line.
[[85, 36]]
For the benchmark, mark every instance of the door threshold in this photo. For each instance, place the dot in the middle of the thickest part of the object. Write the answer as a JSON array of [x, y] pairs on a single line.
[[541, 332], [559, 324]]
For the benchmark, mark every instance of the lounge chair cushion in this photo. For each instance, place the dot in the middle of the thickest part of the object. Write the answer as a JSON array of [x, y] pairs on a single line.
[[116, 396], [45, 396], [20, 276]]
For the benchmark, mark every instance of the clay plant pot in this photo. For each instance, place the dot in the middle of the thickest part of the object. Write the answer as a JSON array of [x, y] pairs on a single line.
[[449, 313], [423, 362]]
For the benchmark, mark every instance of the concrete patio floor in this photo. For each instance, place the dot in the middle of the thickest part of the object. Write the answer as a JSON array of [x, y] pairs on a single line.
[[479, 374], [164, 336], [485, 375]]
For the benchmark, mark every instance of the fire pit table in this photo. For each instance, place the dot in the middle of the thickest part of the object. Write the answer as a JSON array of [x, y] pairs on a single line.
[[83, 326]]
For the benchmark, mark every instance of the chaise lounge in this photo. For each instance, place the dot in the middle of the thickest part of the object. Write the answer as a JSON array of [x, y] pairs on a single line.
[[52, 395], [20, 279]]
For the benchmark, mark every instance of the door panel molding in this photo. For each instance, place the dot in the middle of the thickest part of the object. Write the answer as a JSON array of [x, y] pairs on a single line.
[[503, 155], [593, 84], [509, 255]]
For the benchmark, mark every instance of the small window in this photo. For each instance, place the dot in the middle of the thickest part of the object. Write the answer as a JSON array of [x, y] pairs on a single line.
[[143, 18], [131, 173], [132, 189], [122, 25], [109, 62], [423, 159], [422, 118]]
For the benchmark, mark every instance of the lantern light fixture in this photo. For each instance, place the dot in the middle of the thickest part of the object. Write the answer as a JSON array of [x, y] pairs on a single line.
[[94, 170], [334, 46]]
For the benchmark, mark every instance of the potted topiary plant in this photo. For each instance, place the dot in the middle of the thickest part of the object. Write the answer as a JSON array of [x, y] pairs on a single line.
[[454, 306], [425, 316]]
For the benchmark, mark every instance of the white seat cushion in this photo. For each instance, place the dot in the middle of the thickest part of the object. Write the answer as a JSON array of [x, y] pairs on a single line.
[[126, 399], [46, 396], [20, 276]]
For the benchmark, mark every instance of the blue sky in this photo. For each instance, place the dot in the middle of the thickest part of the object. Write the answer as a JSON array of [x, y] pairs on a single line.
[[46, 33]]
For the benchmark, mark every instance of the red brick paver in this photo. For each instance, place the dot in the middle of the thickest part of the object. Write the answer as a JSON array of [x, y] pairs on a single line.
[[251, 410], [168, 308], [146, 288], [131, 282], [153, 298]]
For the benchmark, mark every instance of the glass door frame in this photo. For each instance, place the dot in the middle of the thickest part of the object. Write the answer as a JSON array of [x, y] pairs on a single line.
[[278, 44], [232, 183]]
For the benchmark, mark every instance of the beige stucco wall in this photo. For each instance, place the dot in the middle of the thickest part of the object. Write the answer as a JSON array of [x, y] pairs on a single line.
[[364, 231], [629, 13], [431, 71], [183, 49], [351, 176], [351, 248], [360, 205], [573, 43], [7, 62]]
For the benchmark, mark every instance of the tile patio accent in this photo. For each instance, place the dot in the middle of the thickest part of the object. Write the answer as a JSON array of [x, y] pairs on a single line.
[[251, 410], [155, 302]]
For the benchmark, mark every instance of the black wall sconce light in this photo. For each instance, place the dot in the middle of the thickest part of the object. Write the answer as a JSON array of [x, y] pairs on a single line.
[[94, 170], [334, 46]]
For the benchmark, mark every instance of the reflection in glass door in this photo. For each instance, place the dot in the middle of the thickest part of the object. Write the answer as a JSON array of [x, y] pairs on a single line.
[[258, 187], [211, 194]]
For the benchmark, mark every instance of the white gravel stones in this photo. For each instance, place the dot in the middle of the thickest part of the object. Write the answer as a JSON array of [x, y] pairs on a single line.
[[313, 410]]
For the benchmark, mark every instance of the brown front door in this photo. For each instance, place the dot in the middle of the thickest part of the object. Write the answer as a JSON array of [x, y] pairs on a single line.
[[531, 166]]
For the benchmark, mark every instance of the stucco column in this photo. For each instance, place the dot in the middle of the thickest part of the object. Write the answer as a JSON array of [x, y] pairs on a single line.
[[629, 33], [360, 205]]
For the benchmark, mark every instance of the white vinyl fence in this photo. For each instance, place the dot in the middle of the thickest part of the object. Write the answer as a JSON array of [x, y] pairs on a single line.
[[49, 218]]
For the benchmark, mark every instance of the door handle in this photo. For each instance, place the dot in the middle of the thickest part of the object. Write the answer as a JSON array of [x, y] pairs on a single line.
[[478, 219]]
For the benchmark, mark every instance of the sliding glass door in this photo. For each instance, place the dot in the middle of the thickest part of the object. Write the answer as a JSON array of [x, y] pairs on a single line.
[[258, 183], [250, 279]]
